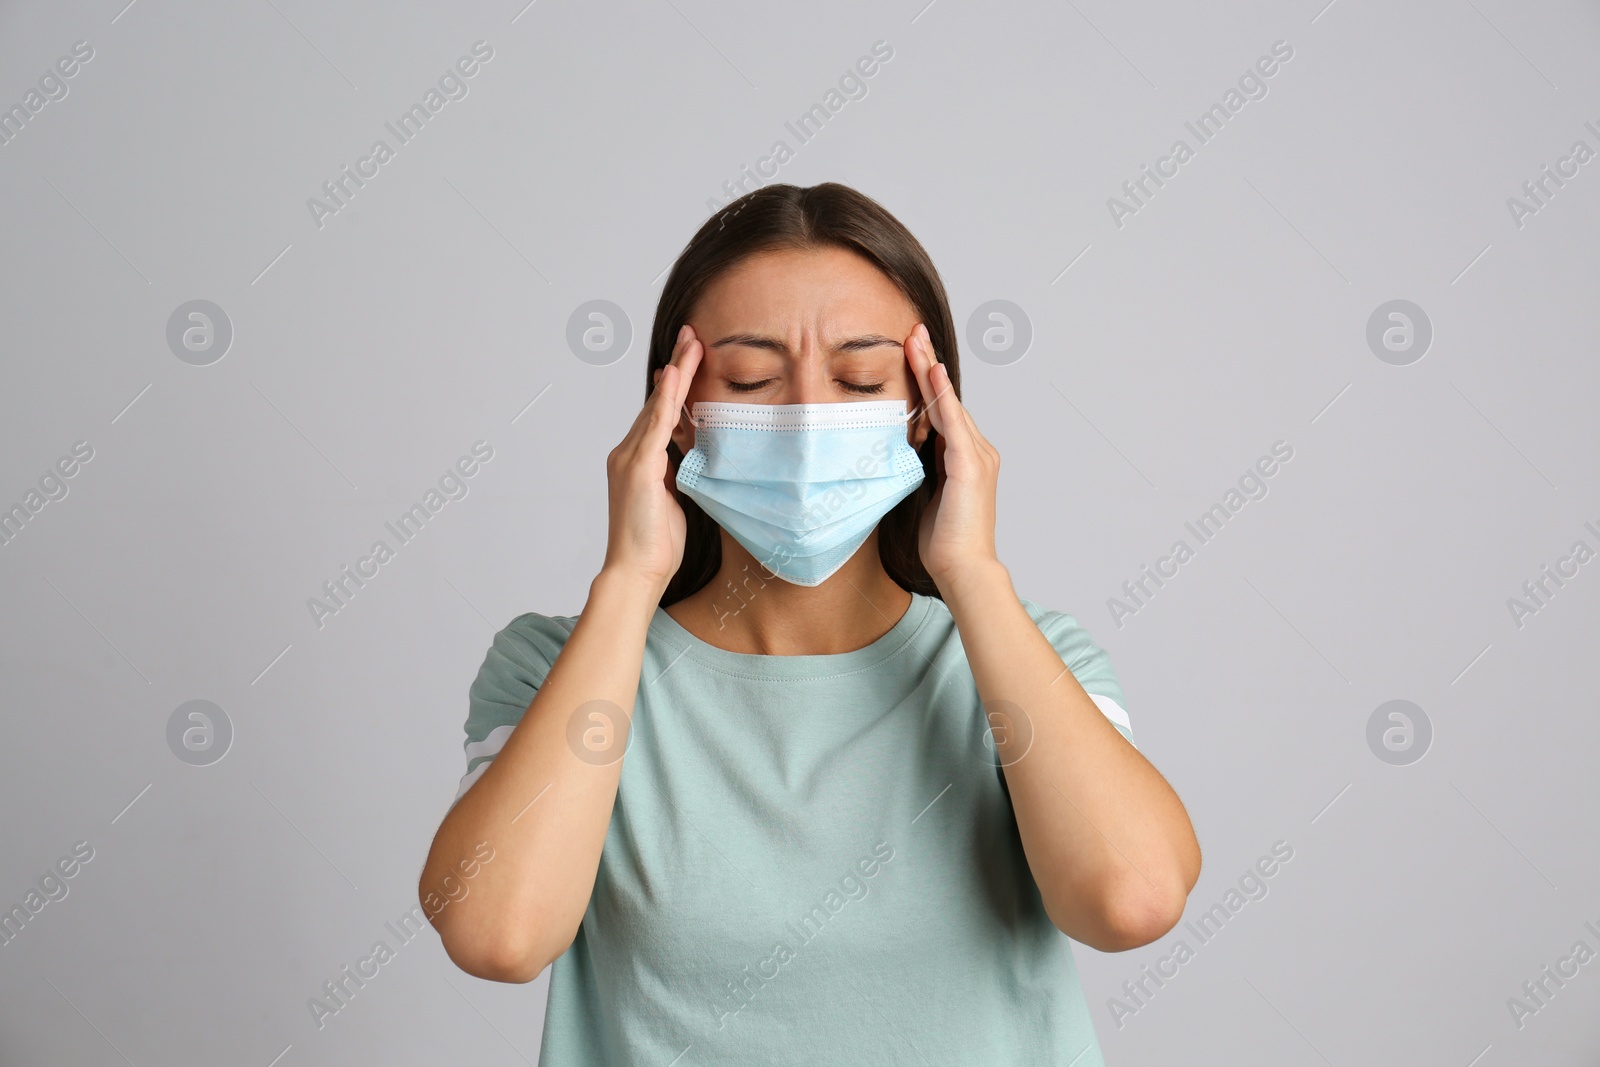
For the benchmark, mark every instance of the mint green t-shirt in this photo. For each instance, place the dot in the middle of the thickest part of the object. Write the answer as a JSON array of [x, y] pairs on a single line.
[[812, 860]]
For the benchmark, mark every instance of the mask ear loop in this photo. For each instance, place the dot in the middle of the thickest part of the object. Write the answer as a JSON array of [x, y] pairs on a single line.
[[920, 410], [917, 412], [684, 415]]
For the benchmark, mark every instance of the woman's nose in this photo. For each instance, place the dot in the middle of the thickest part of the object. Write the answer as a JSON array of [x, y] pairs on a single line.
[[807, 382]]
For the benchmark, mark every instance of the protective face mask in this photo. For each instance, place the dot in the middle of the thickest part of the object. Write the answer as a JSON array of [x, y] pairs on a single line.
[[800, 486]]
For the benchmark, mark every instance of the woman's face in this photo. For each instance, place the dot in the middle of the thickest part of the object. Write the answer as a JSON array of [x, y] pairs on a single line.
[[821, 326]]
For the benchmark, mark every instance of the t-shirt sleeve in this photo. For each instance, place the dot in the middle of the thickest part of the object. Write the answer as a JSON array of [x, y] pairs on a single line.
[[1090, 664], [512, 671]]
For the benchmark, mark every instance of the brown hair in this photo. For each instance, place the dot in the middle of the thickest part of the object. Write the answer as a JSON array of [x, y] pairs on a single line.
[[788, 217]]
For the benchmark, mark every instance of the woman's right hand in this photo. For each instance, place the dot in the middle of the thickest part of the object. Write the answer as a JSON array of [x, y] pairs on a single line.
[[647, 525]]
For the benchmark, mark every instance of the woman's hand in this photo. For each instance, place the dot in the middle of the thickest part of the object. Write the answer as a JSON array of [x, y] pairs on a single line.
[[957, 531], [647, 525]]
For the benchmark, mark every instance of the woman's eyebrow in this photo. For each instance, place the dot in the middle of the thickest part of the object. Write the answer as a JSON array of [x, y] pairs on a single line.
[[773, 344]]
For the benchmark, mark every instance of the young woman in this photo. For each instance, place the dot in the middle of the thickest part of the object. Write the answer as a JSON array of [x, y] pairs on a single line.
[[805, 781]]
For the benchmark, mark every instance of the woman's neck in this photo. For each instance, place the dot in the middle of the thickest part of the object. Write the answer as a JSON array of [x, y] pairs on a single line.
[[745, 609]]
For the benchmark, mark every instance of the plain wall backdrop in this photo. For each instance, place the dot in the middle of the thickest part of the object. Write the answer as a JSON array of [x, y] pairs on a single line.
[[1153, 344]]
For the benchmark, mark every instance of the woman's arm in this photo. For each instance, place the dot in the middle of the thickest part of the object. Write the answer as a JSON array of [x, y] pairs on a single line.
[[1108, 841], [542, 808]]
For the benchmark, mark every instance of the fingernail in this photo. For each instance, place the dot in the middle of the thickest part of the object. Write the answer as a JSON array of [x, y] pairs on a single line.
[[683, 331]]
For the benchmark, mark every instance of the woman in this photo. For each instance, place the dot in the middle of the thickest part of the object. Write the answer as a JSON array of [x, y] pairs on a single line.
[[805, 781]]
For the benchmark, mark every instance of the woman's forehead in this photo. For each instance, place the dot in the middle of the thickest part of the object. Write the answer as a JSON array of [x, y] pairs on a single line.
[[825, 291]]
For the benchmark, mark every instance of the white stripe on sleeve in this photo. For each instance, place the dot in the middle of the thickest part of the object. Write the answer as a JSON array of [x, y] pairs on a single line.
[[1113, 711], [490, 746]]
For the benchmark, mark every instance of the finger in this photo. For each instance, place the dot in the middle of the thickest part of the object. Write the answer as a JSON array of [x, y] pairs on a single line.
[[955, 425], [663, 411], [672, 390], [642, 418], [965, 413], [687, 352], [972, 428], [969, 424], [689, 359], [920, 356], [644, 424], [944, 406], [684, 333]]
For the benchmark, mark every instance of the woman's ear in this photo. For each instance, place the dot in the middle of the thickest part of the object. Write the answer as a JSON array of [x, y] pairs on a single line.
[[683, 433], [917, 431]]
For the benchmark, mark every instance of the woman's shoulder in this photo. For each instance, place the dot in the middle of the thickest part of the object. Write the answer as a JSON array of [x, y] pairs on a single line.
[[529, 642], [1069, 636], [1090, 663], [535, 625]]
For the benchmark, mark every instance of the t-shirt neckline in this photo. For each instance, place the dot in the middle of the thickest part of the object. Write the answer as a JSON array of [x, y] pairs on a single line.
[[756, 665]]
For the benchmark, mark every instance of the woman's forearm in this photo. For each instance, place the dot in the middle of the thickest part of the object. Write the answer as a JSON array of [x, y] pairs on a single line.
[[541, 807], [1108, 841]]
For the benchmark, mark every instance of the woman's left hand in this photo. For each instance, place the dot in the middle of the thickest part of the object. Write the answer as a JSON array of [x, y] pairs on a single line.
[[957, 530]]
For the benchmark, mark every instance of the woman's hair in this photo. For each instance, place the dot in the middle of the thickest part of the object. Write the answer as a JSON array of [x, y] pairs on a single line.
[[784, 217]]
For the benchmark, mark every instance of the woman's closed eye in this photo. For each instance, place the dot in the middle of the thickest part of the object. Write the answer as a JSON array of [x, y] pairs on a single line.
[[854, 387]]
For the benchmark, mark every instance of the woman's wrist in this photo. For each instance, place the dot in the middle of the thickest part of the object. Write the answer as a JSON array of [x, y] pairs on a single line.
[[626, 584], [972, 581]]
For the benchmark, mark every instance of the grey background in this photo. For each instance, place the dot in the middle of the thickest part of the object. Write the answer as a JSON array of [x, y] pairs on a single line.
[[369, 354]]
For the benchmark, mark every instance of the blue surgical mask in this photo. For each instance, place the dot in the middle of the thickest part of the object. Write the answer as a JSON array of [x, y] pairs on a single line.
[[800, 486]]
